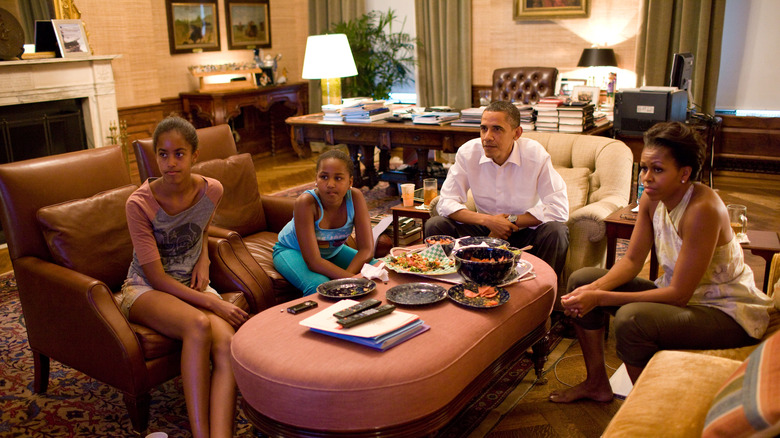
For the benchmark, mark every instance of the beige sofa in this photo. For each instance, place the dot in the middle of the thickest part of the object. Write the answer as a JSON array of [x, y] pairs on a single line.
[[597, 171]]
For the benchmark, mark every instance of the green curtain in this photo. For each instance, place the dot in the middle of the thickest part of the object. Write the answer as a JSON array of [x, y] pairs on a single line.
[[444, 52], [673, 26], [322, 14], [30, 11]]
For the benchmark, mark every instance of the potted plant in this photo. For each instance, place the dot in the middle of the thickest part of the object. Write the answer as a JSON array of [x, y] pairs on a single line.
[[383, 58]]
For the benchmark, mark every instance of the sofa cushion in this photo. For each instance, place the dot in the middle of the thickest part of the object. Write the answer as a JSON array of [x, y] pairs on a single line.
[[91, 235], [748, 404], [577, 185], [240, 209]]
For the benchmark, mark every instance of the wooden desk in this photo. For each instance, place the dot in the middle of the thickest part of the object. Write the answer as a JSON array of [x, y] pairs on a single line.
[[218, 107], [362, 138]]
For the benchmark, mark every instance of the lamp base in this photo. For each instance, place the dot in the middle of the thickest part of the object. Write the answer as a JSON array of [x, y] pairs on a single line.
[[331, 91]]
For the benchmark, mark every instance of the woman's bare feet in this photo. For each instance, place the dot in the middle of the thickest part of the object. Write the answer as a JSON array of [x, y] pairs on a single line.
[[584, 390]]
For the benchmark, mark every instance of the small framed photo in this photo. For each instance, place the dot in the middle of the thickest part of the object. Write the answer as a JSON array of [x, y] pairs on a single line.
[[193, 26], [265, 78], [71, 38], [248, 24], [567, 85], [586, 94]]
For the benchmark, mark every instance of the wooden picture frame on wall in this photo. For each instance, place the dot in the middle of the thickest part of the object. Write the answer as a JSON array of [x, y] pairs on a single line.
[[550, 9], [248, 24], [193, 26], [71, 38]]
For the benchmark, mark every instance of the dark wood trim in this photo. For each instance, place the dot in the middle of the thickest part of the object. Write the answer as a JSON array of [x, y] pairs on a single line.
[[749, 144]]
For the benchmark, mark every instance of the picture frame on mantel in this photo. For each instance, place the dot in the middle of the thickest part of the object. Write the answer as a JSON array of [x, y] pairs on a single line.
[[71, 38], [248, 24], [193, 26], [550, 9]]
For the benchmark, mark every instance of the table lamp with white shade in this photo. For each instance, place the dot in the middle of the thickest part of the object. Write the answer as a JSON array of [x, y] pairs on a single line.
[[329, 58]]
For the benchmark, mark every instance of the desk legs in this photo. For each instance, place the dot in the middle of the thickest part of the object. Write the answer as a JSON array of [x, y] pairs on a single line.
[[364, 154]]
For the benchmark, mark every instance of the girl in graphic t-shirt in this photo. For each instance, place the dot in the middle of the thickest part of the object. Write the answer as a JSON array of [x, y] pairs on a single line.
[[311, 248], [167, 287]]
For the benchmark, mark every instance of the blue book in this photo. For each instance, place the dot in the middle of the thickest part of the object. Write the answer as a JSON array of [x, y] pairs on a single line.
[[385, 341]]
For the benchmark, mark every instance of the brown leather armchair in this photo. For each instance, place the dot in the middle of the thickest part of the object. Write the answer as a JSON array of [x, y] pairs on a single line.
[[64, 219], [251, 235], [524, 84]]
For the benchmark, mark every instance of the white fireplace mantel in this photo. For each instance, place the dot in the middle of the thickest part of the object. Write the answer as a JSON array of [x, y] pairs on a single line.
[[45, 80]]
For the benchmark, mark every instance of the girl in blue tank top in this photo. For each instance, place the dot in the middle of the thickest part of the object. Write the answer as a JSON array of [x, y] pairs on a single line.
[[311, 248]]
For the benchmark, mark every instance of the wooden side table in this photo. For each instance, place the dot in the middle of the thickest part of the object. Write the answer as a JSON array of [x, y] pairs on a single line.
[[412, 212], [764, 244], [620, 225]]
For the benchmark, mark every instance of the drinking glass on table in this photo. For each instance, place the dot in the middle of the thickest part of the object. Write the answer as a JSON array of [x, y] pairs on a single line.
[[430, 190], [407, 194], [738, 219]]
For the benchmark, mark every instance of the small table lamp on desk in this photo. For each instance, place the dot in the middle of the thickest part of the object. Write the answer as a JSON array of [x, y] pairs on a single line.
[[328, 58]]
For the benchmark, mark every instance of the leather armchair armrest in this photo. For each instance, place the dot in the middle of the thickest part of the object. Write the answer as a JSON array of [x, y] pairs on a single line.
[[223, 233], [233, 268], [591, 217], [278, 211], [75, 320]]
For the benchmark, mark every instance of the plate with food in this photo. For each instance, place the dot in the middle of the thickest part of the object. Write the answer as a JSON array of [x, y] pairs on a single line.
[[431, 261], [346, 288], [481, 297], [415, 294]]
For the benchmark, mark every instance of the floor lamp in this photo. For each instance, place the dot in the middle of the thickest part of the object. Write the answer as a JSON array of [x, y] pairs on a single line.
[[329, 58]]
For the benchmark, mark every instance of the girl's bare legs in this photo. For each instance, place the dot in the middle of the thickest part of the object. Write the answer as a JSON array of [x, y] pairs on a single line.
[[179, 320], [223, 383], [596, 385]]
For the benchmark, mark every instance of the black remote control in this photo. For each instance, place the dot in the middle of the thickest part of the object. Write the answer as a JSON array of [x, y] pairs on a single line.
[[366, 315], [359, 307]]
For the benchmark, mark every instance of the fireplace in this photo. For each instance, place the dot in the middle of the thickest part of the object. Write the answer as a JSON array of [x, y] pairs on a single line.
[[40, 129]]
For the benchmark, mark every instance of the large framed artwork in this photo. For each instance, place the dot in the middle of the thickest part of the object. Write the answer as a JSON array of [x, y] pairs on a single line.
[[550, 9], [193, 26], [248, 24]]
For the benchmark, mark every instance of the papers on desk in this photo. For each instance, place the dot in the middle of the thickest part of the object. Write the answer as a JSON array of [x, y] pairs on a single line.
[[380, 334], [435, 118]]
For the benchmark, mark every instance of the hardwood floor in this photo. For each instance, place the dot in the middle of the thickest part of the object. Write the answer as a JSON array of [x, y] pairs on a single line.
[[534, 416]]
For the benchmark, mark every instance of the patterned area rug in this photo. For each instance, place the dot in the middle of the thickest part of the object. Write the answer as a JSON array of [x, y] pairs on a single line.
[[77, 405]]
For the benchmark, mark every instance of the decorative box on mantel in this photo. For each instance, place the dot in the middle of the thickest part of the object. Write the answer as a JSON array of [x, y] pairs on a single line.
[[89, 80]]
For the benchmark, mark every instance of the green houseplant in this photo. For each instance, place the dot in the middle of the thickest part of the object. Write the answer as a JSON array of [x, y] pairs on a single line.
[[383, 58]]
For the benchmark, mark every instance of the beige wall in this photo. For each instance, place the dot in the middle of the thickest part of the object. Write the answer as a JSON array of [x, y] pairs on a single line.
[[500, 41], [147, 72]]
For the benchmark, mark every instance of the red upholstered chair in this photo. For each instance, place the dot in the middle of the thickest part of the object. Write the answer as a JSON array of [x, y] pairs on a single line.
[[64, 220], [249, 221], [524, 84]]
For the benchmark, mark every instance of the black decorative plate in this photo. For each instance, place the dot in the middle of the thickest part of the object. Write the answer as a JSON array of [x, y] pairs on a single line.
[[456, 294], [415, 294], [346, 288]]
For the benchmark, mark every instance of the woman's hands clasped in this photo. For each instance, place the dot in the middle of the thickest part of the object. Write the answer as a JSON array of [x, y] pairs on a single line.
[[580, 301]]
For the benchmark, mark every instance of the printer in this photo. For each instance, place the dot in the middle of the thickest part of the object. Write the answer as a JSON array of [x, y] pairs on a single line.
[[636, 110]]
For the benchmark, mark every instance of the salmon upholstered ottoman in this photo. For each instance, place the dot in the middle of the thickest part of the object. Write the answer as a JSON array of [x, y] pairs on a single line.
[[295, 382]]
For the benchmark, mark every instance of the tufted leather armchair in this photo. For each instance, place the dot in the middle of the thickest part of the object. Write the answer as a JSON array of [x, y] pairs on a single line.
[[524, 84], [64, 219], [252, 244]]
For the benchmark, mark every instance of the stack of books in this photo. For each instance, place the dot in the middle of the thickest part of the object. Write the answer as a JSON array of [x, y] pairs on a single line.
[[409, 230], [575, 116], [380, 334], [600, 118], [547, 114], [435, 118], [366, 112], [470, 117], [526, 116]]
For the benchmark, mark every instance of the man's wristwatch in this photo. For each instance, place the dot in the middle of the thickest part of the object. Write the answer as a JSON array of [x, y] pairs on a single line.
[[512, 218]]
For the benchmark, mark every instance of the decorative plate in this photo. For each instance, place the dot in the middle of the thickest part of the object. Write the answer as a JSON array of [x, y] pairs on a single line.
[[478, 240], [456, 294], [414, 294], [523, 267], [346, 288]]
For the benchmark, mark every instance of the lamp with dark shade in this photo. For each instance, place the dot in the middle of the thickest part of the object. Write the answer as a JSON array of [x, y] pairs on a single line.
[[596, 57]]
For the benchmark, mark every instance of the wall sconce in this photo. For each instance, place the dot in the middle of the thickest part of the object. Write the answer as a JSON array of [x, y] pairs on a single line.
[[328, 58]]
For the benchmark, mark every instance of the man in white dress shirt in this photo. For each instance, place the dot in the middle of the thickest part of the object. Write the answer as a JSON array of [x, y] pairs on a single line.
[[519, 196]]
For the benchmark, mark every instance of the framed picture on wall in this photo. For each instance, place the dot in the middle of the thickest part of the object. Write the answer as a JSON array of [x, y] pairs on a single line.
[[586, 94], [248, 24], [193, 26], [71, 38], [550, 9]]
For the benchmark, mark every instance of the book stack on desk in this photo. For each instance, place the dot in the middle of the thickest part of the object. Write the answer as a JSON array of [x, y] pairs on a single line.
[[470, 118], [575, 117], [366, 112], [526, 116], [547, 114], [435, 118]]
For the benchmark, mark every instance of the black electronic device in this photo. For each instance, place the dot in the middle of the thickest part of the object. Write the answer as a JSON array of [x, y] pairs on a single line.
[[359, 307], [637, 110], [302, 307], [682, 71], [45, 38], [365, 316]]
